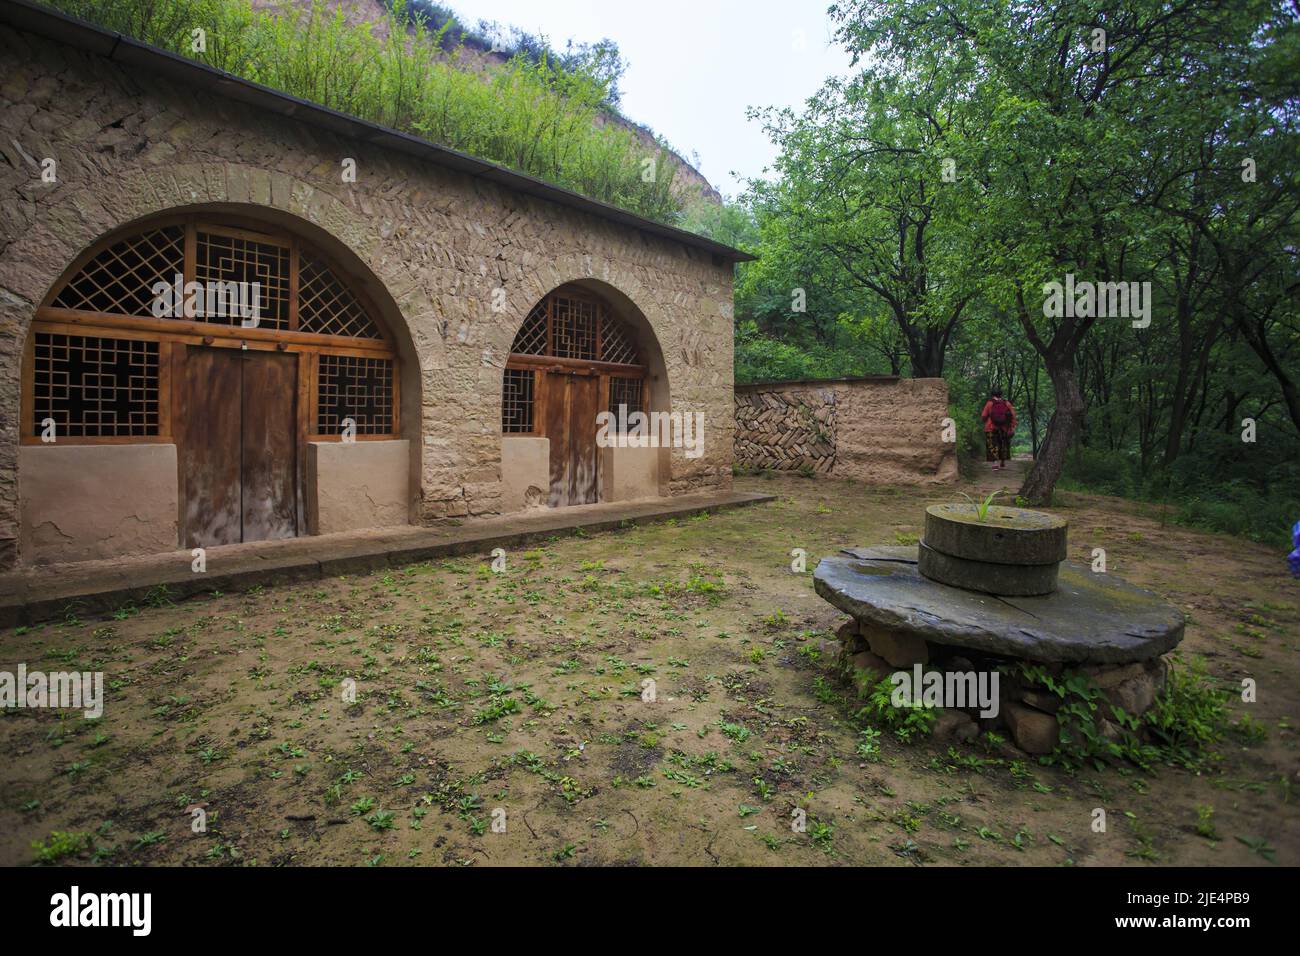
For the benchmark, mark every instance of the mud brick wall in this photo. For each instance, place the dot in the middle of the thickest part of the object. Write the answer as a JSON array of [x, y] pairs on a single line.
[[881, 431]]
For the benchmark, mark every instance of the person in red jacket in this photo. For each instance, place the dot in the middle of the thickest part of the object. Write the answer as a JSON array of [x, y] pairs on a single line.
[[999, 425]]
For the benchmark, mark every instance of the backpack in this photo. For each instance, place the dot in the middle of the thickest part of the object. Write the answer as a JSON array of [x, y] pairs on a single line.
[[1000, 413]]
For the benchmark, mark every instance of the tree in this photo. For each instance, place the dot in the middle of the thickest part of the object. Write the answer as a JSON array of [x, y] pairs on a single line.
[[1078, 104], [862, 189]]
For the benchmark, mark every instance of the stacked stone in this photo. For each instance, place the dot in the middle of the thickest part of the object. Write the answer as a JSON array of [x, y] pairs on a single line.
[[786, 431], [1029, 711], [865, 654]]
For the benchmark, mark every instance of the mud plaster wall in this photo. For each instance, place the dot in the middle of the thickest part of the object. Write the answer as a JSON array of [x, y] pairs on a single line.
[[886, 431], [525, 472], [433, 242], [355, 485], [82, 502], [629, 473]]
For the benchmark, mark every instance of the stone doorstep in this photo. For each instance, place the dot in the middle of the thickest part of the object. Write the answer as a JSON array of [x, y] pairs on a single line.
[[35, 594]]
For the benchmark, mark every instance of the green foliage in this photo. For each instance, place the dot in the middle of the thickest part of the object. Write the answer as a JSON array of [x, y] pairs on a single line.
[[981, 506], [916, 720], [982, 148], [1190, 716], [536, 114], [601, 59], [1181, 727], [764, 358], [59, 845], [1203, 491]]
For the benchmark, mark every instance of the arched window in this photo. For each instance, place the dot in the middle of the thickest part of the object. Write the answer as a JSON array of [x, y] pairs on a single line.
[[573, 332], [106, 360]]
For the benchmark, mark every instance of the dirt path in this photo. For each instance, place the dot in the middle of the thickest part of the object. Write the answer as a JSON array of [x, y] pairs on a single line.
[[518, 699]]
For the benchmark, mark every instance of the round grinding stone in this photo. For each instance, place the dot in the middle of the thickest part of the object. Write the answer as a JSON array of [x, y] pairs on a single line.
[[1003, 579], [1005, 536]]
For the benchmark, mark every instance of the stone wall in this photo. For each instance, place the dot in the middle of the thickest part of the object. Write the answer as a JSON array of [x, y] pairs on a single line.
[[877, 430], [430, 246]]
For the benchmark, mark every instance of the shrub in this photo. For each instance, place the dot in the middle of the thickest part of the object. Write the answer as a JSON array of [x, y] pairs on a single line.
[[59, 845]]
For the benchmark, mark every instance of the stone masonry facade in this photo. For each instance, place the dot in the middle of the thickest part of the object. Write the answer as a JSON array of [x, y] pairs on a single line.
[[435, 243], [881, 431]]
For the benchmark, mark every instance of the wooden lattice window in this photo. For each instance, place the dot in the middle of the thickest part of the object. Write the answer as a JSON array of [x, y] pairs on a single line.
[[625, 392], [93, 386], [577, 327], [354, 387], [573, 328], [616, 342], [327, 306], [518, 401], [297, 290], [570, 331], [532, 337], [120, 279], [112, 337], [228, 258]]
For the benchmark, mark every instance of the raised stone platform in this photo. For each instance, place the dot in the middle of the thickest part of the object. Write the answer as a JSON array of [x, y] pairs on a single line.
[[1089, 619], [88, 587]]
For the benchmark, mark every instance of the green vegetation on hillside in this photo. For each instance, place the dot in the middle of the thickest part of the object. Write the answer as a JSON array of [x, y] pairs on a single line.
[[536, 114], [601, 59]]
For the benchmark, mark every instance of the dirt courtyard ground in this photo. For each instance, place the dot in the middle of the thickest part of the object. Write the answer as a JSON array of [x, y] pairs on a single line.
[[499, 717]]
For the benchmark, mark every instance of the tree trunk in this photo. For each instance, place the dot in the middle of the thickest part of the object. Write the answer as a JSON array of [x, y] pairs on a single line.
[[1256, 336], [1065, 424]]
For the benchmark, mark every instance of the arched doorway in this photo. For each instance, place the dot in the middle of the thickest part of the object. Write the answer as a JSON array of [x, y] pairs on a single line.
[[573, 357], [237, 342]]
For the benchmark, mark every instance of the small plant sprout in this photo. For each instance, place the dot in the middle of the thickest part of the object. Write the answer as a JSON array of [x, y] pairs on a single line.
[[981, 507]]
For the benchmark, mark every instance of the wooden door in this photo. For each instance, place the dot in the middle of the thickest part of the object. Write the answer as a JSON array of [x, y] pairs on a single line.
[[572, 402], [270, 447], [239, 470], [210, 455]]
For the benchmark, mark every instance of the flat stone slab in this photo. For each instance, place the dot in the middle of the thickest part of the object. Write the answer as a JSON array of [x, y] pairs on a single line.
[[1090, 618]]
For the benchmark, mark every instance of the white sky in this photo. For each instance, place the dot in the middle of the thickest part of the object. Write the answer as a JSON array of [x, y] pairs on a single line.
[[695, 66]]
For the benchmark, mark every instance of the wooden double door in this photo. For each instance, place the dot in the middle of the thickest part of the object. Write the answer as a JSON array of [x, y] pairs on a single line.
[[238, 445], [572, 403]]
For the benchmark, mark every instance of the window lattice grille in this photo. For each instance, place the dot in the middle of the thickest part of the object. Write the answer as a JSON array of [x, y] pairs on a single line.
[[572, 323], [517, 401], [531, 339], [573, 328], [95, 387], [120, 280], [616, 343], [222, 258], [326, 306], [625, 391], [357, 388]]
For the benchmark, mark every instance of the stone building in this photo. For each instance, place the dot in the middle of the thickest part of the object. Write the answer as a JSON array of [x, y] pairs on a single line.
[[430, 337]]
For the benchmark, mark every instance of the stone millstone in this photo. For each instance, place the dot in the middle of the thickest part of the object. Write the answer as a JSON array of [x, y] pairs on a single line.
[[1005, 536], [1090, 618], [1007, 579]]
